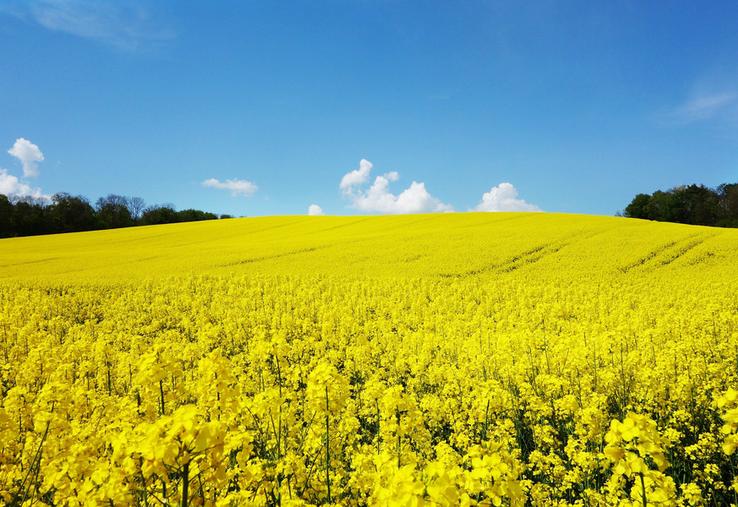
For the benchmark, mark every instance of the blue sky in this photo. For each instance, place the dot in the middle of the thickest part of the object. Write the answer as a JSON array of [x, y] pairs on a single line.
[[262, 108]]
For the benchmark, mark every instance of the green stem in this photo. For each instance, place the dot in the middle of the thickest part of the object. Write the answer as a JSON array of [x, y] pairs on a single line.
[[327, 448], [399, 438], [185, 483], [161, 396]]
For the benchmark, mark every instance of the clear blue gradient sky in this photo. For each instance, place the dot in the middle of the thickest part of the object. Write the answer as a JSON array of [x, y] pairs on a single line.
[[577, 104]]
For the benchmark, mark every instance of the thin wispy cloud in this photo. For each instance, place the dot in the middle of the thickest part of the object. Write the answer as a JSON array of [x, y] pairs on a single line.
[[125, 25], [702, 106], [236, 187]]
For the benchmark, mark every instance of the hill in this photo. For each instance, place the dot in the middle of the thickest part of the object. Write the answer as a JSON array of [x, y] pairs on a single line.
[[440, 245]]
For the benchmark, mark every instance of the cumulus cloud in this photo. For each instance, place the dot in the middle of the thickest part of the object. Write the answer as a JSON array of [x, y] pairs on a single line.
[[504, 197], [356, 177], [315, 210], [378, 197], [12, 186], [29, 154], [237, 187], [392, 176]]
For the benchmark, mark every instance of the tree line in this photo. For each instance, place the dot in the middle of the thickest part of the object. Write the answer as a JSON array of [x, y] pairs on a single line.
[[689, 204], [26, 216]]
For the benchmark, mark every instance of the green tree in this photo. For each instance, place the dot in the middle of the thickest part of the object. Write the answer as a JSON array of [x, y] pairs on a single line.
[[194, 215], [689, 204], [69, 213], [662, 206], [154, 215], [30, 217], [699, 205], [6, 217], [728, 205], [113, 212], [638, 207]]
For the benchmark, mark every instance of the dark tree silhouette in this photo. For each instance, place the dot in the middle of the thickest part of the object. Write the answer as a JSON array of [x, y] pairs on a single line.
[[113, 212], [136, 206], [27, 216], [689, 204], [639, 206], [71, 213], [6, 216], [154, 215], [30, 217], [193, 215], [728, 205]]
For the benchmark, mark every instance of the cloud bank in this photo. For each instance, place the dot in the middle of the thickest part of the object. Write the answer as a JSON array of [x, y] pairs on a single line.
[[379, 199], [504, 197], [236, 187], [29, 155], [11, 186]]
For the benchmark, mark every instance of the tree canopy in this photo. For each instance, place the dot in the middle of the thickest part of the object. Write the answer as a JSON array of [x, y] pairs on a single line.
[[73, 213], [689, 204]]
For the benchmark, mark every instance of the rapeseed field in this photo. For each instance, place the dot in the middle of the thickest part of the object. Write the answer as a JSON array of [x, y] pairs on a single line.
[[446, 359]]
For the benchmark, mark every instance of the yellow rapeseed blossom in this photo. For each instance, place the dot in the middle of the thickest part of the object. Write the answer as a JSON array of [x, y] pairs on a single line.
[[470, 359]]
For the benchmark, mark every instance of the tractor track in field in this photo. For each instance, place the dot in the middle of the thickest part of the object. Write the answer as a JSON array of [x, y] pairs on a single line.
[[25, 263], [274, 256], [531, 258], [682, 246], [684, 250], [525, 258], [513, 263]]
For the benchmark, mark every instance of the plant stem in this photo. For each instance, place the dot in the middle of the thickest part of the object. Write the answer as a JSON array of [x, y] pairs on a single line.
[[161, 396], [185, 483], [327, 448], [399, 438]]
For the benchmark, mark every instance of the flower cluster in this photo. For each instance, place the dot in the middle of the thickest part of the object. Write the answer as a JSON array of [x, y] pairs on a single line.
[[489, 375]]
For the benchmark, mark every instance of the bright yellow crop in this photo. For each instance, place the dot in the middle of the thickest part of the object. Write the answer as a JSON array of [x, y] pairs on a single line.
[[452, 359]]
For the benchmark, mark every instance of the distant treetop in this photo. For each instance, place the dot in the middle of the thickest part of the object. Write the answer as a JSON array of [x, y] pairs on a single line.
[[69, 213], [689, 204]]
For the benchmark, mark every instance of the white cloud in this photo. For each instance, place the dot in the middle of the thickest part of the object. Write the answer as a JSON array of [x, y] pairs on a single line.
[[702, 106], [315, 210], [124, 25], [29, 154], [11, 186], [378, 198], [504, 197], [356, 177], [236, 187]]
